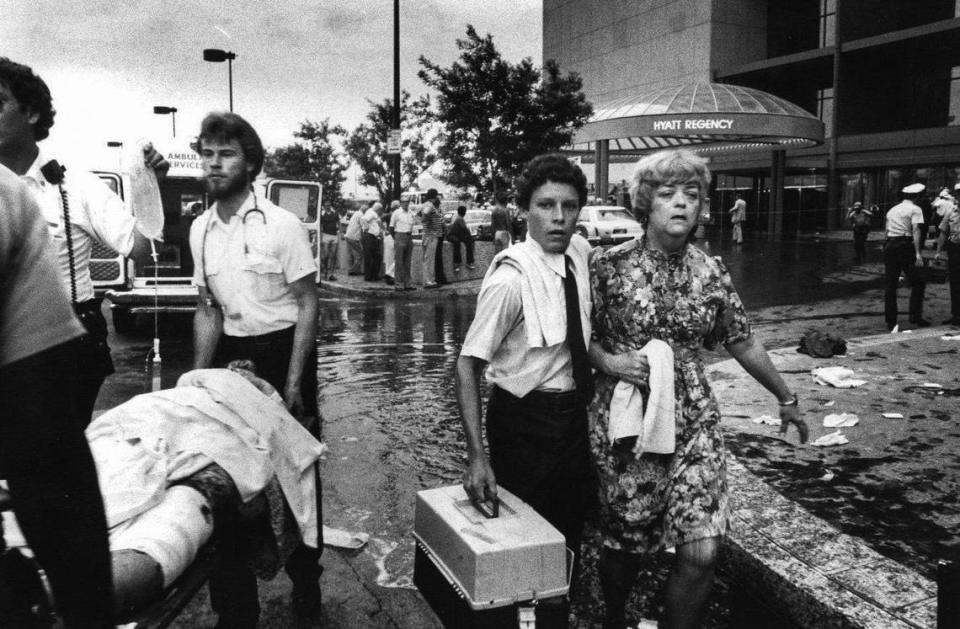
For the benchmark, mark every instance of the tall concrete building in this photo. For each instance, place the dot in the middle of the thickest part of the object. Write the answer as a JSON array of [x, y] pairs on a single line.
[[883, 76]]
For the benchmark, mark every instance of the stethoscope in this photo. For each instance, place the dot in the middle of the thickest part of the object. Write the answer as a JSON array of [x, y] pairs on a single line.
[[246, 245]]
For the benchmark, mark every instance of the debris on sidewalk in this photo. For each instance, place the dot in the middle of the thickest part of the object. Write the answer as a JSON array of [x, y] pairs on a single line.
[[767, 420], [893, 415], [828, 476], [839, 377], [953, 336], [820, 344], [830, 403], [840, 420], [931, 385], [338, 538], [832, 439]]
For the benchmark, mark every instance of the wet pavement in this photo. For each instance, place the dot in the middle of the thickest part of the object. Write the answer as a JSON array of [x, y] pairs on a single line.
[[390, 419]]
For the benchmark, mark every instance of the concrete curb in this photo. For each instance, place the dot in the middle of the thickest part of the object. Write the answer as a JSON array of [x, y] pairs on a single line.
[[778, 551], [464, 289]]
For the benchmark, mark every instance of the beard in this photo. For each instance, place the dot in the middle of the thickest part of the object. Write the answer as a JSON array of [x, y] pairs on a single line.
[[225, 187]]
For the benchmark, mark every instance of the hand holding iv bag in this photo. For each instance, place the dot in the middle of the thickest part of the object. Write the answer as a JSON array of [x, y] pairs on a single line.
[[144, 192]]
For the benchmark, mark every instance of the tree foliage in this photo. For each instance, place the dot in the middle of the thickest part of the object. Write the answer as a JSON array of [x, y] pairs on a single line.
[[367, 145], [315, 157], [495, 116]]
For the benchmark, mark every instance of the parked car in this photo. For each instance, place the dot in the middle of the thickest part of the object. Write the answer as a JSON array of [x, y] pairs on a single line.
[[607, 224], [479, 222]]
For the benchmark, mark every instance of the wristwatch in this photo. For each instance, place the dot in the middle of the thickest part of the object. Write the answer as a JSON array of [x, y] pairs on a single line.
[[792, 402]]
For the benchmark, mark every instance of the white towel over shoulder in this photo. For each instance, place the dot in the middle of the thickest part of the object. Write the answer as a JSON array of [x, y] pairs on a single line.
[[656, 428]]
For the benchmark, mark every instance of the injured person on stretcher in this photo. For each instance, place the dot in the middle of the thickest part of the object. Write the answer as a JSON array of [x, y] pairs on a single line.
[[218, 449]]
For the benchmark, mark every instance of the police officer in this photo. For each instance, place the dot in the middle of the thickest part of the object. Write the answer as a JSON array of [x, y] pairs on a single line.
[[257, 300], [79, 210], [901, 254]]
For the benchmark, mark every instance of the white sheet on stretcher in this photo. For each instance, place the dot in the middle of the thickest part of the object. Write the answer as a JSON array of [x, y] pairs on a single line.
[[213, 415]]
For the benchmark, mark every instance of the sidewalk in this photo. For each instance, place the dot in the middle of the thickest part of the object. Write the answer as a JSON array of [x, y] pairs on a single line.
[[817, 574]]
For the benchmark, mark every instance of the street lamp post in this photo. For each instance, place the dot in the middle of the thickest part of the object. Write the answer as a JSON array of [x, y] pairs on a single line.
[[216, 55], [160, 109], [116, 144]]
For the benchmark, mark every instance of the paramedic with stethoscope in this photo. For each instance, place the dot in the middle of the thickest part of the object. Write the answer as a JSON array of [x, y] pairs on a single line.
[[257, 300]]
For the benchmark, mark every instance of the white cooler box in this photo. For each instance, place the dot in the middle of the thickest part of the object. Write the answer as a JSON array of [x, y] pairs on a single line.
[[488, 572]]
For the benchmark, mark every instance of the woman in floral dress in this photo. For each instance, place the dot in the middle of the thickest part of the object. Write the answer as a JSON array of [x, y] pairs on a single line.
[[660, 286]]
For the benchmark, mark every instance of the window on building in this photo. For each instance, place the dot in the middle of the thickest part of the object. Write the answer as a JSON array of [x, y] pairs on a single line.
[[953, 117], [828, 20], [825, 108]]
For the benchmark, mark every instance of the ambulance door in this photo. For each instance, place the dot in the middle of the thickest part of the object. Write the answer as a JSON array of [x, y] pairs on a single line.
[[108, 268], [302, 198]]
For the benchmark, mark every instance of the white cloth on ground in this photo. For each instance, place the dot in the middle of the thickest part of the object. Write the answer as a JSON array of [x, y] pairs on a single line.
[[839, 377], [654, 428]]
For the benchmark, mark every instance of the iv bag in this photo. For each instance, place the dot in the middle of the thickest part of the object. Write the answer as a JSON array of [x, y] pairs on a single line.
[[144, 193]]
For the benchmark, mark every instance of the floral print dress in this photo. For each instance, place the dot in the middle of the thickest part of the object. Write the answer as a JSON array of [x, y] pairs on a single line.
[[687, 300]]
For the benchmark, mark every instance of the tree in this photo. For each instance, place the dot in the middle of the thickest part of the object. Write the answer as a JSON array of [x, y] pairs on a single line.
[[495, 116], [367, 145], [314, 157]]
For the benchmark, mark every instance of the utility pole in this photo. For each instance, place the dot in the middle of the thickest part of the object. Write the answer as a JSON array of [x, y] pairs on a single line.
[[396, 99]]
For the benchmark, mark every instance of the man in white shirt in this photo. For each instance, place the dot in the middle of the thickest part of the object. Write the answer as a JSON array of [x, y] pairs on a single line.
[[901, 254], [401, 226], [538, 366], [738, 214], [370, 240], [80, 210], [354, 247], [255, 275]]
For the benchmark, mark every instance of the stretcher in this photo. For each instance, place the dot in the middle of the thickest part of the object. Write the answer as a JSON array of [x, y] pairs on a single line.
[[27, 599]]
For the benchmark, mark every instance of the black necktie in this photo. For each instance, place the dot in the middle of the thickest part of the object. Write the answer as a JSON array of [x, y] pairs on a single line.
[[578, 350]]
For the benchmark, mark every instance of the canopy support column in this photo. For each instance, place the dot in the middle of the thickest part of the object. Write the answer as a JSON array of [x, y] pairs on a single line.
[[601, 173], [778, 164]]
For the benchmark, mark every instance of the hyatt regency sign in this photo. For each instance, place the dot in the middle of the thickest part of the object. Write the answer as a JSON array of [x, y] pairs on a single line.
[[650, 131]]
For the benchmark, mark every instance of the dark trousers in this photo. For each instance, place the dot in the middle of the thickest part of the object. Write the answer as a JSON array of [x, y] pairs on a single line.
[[899, 256], [539, 451], [953, 270], [46, 460], [355, 251], [440, 277], [860, 233], [403, 256], [233, 586], [372, 256], [94, 361], [468, 245]]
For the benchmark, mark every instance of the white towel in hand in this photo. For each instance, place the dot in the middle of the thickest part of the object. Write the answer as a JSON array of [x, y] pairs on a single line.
[[655, 429]]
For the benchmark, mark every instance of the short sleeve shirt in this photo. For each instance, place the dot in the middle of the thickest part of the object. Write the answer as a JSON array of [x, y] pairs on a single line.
[[402, 221], [96, 214], [371, 222], [902, 217], [950, 225], [498, 336], [249, 265], [35, 311]]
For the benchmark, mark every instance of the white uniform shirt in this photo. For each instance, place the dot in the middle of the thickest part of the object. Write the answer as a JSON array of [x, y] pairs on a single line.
[[353, 227], [401, 221], [371, 222], [250, 266], [96, 213], [902, 217], [498, 335]]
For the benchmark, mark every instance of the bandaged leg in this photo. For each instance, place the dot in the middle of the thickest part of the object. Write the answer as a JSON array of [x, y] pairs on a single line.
[[170, 533]]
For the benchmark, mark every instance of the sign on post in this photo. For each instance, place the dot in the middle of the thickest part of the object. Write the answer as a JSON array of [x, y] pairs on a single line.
[[393, 142]]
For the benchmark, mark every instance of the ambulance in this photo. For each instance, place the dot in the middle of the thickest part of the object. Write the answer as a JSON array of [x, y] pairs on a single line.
[[166, 286]]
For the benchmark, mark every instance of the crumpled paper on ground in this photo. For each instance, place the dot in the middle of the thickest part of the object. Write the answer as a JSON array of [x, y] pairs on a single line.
[[839, 377], [840, 420], [767, 419], [833, 439], [339, 538]]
